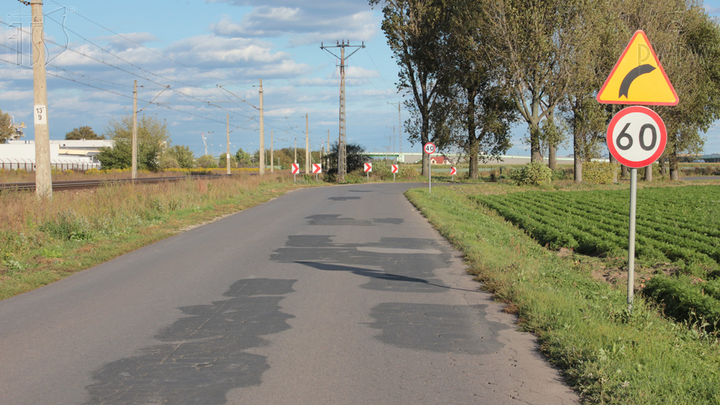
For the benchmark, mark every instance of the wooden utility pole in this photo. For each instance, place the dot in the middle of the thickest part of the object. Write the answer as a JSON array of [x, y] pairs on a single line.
[[342, 157], [327, 166], [272, 158], [262, 133], [134, 134], [227, 131], [43, 171], [307, 146]]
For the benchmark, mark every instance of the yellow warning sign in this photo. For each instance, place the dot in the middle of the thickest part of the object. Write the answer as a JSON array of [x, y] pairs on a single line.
[[638, 77]]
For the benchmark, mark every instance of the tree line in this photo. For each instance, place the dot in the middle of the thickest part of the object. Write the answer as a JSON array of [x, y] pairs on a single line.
[[472, 69]]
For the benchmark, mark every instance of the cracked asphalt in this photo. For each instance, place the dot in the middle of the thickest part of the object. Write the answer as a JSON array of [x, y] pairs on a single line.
[[332, 295]]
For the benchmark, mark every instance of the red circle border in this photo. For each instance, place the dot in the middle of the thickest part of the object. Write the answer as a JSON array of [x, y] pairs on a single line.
[[611, 144]]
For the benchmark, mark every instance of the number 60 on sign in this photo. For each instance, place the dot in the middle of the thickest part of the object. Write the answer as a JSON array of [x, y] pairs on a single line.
[[636, 137]]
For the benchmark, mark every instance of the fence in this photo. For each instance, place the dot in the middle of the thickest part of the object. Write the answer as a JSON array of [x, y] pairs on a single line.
[[29, 165]]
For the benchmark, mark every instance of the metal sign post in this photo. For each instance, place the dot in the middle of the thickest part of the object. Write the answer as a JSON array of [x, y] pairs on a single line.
[[429, 148], [636, 137], [631, 239]]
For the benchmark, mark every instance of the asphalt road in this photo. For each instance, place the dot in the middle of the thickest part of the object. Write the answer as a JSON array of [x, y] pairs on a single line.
[[333, 295]]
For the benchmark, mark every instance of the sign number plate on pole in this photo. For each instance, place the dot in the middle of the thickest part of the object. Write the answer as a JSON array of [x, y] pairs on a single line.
[[636, 137], [429, 149]]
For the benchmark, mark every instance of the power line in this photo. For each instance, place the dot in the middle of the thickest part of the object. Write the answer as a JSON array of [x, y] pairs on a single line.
[[150, 49]]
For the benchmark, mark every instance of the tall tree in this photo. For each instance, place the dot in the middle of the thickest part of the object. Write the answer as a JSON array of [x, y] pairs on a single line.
[[600, 38], [356, 157], [414, 31], [83, 133], [153, 138], [182, 154], [533, 42], [6, 128], [474, 103]]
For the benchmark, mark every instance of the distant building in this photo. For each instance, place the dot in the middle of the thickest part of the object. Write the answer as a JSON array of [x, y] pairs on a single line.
[[64, 154]]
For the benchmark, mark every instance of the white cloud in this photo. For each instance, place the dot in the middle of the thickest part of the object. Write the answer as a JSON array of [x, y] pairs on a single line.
[[303, 26]]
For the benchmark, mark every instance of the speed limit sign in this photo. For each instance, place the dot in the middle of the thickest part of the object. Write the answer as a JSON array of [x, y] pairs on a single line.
[[636, 136], [429, 148]]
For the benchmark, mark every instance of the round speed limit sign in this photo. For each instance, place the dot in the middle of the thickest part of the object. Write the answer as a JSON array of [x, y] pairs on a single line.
[[636, 136], [429, 148]]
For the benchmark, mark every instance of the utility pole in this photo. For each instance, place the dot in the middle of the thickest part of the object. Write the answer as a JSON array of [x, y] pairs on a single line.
[[307, 146], [134, 133], [262, 133], [399, 126], [296, 150], [272, 158], [43, 171], [328, 152], [227, 130], [342, 157]]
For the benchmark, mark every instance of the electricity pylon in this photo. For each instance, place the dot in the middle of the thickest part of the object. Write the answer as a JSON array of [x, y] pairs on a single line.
[[342, 156]]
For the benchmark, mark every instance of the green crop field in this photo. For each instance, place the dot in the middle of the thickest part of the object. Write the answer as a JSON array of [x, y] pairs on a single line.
[[677, 229]]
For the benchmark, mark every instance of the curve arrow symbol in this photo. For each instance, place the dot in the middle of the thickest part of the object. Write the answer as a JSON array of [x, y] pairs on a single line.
[[632, 75]]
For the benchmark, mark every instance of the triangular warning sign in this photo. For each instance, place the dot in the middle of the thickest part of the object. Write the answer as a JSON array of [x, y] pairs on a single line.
[[638, 77]]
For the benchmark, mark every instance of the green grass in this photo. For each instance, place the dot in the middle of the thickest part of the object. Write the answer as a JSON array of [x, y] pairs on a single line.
[[607, 355]]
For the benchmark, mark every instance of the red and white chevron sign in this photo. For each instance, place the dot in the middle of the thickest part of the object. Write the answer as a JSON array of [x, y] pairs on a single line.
[[453, 171], [368, 167], [394, 169], [295, 168], [317, 168]]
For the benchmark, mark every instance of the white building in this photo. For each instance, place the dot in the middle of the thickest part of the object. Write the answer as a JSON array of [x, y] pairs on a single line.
[[64, 154]]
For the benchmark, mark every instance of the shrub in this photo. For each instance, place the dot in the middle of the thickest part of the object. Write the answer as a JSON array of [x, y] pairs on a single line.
[[598, 172], [534, 173], [684, 301], [407, 173], [382, 170]]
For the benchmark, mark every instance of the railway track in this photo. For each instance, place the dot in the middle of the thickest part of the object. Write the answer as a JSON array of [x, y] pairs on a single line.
[[83, 184]]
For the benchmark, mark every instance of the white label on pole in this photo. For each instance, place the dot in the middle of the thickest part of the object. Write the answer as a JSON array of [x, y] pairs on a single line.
[[40, 114]]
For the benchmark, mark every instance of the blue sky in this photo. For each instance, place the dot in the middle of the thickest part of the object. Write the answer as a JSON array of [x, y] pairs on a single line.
[[97, 48]]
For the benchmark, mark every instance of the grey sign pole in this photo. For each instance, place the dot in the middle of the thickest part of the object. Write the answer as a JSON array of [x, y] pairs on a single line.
[[631, 239]]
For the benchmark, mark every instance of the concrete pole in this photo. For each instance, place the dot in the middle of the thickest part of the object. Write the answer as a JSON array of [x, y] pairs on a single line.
[[262, 133], [227, 158], [295, 150], [307, 146], [134, 134], [43, 171], [272, 158]]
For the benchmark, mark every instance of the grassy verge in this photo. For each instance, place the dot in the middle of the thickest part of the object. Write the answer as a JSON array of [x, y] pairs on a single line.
[[42, 242], [582, 326]]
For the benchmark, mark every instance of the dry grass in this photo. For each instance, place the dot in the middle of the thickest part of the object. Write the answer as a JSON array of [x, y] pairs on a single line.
[[78, 229]]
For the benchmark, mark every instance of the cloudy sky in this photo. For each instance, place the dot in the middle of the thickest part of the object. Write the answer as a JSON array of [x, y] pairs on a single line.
[[96, 49]]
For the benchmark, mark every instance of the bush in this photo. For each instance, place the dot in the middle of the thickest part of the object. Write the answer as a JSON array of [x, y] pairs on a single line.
[[684, 301], [534, 173], [382, 170], [407, 173], [598, 172]]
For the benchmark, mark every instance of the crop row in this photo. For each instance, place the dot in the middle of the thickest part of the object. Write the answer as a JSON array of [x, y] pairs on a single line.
[[677, 229]]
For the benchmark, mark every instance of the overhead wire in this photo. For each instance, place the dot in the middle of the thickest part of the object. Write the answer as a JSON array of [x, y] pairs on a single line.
[[150, 49]]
